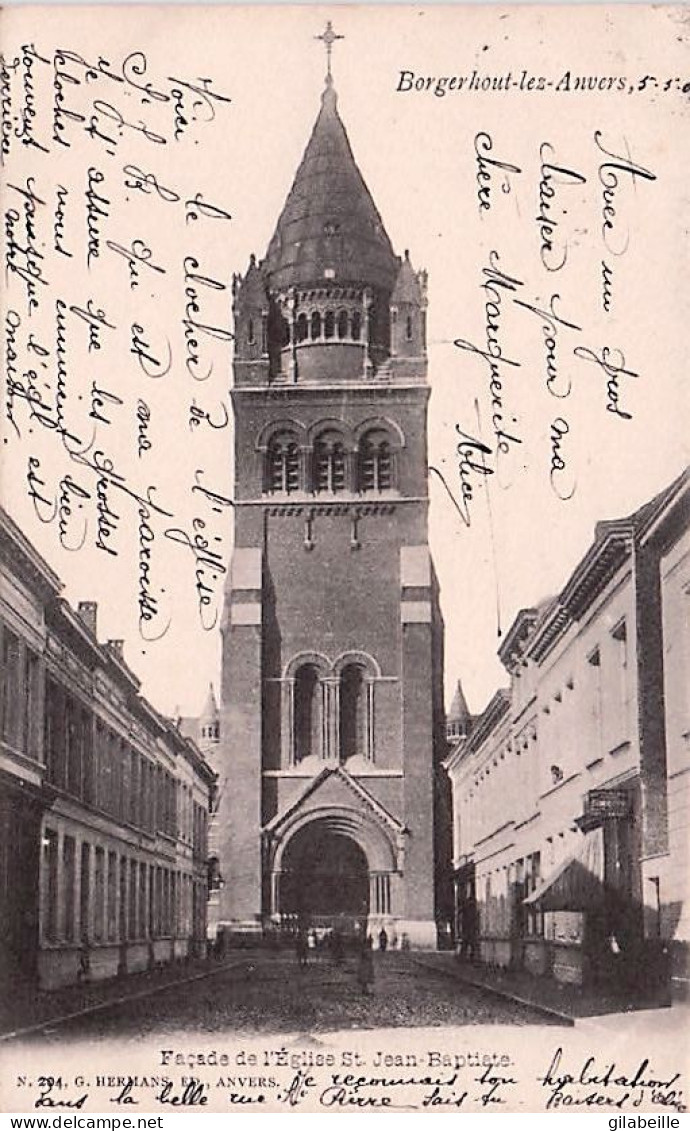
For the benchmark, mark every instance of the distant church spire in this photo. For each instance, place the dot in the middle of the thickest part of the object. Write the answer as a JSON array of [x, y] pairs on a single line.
[[459, 719], [210, 711], [209, 722]]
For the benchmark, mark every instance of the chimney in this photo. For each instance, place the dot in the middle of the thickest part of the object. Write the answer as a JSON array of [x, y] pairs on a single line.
[[88, 614], [117, 646]]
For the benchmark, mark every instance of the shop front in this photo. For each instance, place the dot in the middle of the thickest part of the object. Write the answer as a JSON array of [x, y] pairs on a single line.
[[591, 901]]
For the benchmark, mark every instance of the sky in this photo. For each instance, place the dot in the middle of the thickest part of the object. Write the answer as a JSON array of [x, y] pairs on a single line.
[[417, 153]]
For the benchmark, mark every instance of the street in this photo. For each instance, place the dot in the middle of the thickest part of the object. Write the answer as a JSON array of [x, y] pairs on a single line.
[[258, 991]]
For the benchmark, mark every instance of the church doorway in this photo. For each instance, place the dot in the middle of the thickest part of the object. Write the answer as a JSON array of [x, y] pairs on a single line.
[[325, 879]]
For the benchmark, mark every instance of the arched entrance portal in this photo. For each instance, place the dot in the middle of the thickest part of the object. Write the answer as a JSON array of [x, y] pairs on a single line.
[[325, 877]]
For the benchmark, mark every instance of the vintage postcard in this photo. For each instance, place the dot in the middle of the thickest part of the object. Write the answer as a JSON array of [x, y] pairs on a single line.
[[345, 547]]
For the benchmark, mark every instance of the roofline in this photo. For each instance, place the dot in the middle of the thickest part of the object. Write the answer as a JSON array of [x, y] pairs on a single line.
[[613, 544], [64, 611], [524, 620], [188, 748], [14, 538], [662, 505], [61, 616], [486, 723], [612, 547]]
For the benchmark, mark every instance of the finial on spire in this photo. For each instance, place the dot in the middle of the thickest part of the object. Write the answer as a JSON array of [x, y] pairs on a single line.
[[328, 38]]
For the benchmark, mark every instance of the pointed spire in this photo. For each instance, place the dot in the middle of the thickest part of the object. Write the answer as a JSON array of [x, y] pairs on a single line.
[[459, 711], [330, 228], [251, 290], [210, 711], [407, 288]]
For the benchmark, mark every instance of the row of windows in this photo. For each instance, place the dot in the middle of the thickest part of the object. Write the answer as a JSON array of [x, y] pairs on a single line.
[[331, 471], [102, 896], [342, 324], [91, 763], [101, 769], [600, 709], [19, 695]]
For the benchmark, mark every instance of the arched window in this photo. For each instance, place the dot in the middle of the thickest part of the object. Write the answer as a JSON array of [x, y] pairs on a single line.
[[250, 332], [302, 330], [329, 463], [356, 326], [353, 712], [329, 324], [408, 328], [315, 325], [375, 463], [283, 464], [342, 324], [284, 332], [307, 714]]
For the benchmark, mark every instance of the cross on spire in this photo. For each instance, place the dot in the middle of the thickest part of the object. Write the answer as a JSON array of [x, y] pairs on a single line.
[[328, 38]]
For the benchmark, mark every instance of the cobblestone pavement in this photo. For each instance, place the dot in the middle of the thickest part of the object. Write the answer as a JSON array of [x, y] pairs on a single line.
[[268, 993]]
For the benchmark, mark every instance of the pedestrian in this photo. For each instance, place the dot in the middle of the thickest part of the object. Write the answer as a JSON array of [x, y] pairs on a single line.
[[365, 969], [301, 949], [472, 929], [337, 947], [84, 971], [383, 940], [469, 927]]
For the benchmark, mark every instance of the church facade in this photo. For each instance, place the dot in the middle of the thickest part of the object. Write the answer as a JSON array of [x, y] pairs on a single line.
[[332, 729]]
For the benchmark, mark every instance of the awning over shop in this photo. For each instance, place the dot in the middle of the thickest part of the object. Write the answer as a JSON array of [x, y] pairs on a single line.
[[577, 884]]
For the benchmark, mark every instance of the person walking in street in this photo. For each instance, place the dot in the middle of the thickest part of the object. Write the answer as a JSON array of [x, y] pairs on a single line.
[[469, 927], [301, 949], [337, 949], [365, 969]]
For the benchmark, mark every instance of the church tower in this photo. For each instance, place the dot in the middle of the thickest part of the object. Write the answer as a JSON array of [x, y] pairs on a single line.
[[332, 729]]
